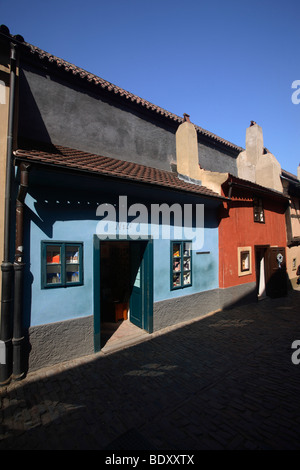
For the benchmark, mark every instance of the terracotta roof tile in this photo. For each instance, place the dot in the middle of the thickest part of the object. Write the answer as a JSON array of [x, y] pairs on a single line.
[[67, 158]]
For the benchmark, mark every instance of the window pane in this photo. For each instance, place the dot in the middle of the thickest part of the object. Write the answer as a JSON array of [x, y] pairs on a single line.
[[176, 280], [187, 264], [72, 272], [72, 254], [186, 278], [53, 274], [187, 246], [176, 250], [137, 282], [53, 254], [176, 265], [245, 261], [258, 210]]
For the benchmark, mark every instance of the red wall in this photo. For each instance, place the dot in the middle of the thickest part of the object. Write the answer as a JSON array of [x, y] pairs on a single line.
[[238, 229]]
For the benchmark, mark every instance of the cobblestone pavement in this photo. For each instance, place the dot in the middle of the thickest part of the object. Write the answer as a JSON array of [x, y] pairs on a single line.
[[226, 381]]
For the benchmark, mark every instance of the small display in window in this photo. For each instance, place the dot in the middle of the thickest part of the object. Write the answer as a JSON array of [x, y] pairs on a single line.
[[187, 278], [245, 261], [62, 264], [176, 280], [176, 250], [53, 255], [187, 264], [181, 264], [72, 255], [53, 278], [187, 249], [73, 276], [72, 272], [176, 265]]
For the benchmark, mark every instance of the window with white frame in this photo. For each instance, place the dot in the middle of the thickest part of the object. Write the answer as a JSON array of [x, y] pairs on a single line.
[[244, 260]]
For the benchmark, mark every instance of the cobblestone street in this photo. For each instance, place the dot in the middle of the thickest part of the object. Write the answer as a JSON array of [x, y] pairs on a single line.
[[226, 381]]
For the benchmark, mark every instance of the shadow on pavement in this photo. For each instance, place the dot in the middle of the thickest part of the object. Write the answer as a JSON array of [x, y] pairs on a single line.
[[224, 382]]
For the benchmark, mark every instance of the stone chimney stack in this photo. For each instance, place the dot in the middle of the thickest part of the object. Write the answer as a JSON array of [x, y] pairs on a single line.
[[188, 167], [256, 163], [187, 149], [298, 172], [254, 143]]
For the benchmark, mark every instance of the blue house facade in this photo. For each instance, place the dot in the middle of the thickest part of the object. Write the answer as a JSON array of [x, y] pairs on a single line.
[[82, 260], [110, 229]]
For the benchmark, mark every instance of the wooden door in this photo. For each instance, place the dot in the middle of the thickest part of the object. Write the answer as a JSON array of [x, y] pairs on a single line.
[[141, 299], [276, 275]]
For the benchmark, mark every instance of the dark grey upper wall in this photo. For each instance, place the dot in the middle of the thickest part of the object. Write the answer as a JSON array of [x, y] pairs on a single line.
[[213, 159], [52, 110], [55, 112]]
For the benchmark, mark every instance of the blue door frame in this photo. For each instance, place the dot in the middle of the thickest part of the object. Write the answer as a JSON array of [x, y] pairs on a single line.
[[146, 271]]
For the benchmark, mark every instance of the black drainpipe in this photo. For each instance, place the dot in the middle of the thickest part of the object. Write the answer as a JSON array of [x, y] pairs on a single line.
[[18, 333], [7, 266]]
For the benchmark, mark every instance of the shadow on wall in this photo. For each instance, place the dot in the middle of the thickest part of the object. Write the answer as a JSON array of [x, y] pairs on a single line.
[[246, 298], [47, 212], [79, 115], [31, 124], [278, 285]]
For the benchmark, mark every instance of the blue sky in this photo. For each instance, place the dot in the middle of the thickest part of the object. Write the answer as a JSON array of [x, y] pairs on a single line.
[[223, 62]]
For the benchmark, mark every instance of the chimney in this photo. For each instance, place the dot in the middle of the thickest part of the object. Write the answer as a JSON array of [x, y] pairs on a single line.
[[254, 143], [186, 117], [298, 172], [188, 168], [187, 149]]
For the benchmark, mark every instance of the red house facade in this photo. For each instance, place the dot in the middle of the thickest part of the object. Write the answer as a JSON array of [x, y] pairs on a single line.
[[252, 238]]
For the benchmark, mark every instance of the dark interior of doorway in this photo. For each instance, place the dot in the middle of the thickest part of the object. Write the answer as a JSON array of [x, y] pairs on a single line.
[[275, 276], [117, 275]]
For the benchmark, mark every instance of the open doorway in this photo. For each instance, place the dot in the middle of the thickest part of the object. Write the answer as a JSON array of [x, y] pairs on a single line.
[[114, 286], [123, 288], [271, 277], [260, 270]]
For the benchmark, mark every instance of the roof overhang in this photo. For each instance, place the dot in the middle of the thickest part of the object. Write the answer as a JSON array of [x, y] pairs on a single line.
[[70, 161]]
